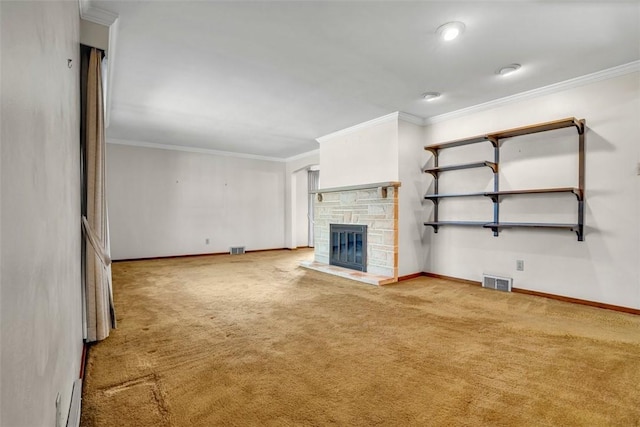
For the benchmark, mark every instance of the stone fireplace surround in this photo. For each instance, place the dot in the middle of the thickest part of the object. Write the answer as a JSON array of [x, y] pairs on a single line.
[[374, 205]]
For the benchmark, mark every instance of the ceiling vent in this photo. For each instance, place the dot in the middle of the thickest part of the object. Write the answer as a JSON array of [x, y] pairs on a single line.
[[236, 250], [497, 283]]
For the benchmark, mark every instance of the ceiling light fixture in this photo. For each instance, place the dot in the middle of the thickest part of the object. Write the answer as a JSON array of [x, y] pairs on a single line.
[[508, 69], [450, 30], [431, 96]]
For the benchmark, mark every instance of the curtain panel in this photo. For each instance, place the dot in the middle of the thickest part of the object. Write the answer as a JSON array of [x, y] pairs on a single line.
[[99, 310], [312, 185]]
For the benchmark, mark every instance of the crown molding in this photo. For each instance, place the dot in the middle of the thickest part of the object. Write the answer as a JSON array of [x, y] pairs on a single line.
[[411, 118], [346, 131], [108, 19], [111, 61], [89, 12], [315, 152], [609, 73], [145, 144]]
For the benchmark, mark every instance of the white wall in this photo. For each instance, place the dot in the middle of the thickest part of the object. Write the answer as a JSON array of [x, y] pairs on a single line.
[[365, 155], [605, 267], [385, 149], [166, 202], [41, 308], [302, 208], [410, 210]]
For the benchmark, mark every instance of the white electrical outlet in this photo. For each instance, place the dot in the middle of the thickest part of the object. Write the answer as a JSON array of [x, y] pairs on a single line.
[[206, 241], [520, 265]]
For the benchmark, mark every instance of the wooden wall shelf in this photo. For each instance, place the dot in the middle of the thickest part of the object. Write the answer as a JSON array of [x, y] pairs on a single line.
[[436, 224], [577, 228], [496, 196], [540, 127], [496, 138], [436, 170], [458, 143], [435, 197]]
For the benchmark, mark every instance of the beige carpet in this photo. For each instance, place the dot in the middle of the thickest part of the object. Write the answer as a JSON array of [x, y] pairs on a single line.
[[255, 340]]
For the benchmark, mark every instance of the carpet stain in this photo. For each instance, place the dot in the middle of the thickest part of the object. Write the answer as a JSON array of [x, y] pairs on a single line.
[[147, 380], [254, 340], [139, 401]]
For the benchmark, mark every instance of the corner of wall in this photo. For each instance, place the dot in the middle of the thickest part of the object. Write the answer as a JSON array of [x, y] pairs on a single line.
[[292, 203]]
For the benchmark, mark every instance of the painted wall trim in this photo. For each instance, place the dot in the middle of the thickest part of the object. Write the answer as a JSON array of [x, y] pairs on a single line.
[[411, 118], [89, 12], [302, 155], [589, 303], [146, 144], [451, 278], [622, 309], [207, 254], [396, 115], [609, 73], [111, 60], [359, 126], [410, 276]]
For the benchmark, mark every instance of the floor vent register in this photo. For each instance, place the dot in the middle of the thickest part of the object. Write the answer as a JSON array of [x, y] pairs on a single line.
[[498, 283]]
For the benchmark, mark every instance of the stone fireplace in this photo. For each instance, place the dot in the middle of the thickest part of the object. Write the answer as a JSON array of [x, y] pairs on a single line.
[[372, 207]]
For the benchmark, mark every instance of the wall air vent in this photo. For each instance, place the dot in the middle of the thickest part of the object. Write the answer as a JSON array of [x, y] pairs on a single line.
[[236, 250], [497, 283]]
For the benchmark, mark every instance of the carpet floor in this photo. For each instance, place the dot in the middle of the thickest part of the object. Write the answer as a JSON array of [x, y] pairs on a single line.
[[256, 340]]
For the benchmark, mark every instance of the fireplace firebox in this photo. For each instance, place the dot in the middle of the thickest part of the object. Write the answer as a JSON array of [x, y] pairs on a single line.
[[348, 246]]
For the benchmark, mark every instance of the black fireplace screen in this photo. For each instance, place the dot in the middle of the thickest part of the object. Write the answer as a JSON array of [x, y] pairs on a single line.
[[348, 246]]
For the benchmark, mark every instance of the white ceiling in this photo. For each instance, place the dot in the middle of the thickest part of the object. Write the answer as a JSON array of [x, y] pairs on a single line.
[[267, 78]]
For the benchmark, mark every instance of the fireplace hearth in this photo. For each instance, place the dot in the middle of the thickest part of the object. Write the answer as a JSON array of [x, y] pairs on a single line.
[[368, 252], [348, 246]]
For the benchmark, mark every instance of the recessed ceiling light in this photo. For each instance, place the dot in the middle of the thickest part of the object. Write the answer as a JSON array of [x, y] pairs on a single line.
[[508, 69], [431, 96], [450, 30]]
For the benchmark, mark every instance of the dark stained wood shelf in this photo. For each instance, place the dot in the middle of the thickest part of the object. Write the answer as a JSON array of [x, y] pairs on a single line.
[[542, 127], [497, 226], [434, 197], [495, 138], [435, 171], [496, 195], [577, 228], [458, 143], [436, 224], [529, 224]]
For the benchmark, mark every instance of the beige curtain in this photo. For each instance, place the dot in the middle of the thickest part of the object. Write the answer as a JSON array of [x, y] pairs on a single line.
[[99, 312]]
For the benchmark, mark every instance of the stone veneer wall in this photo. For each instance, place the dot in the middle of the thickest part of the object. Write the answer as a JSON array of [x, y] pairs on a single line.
[[365, 207]]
